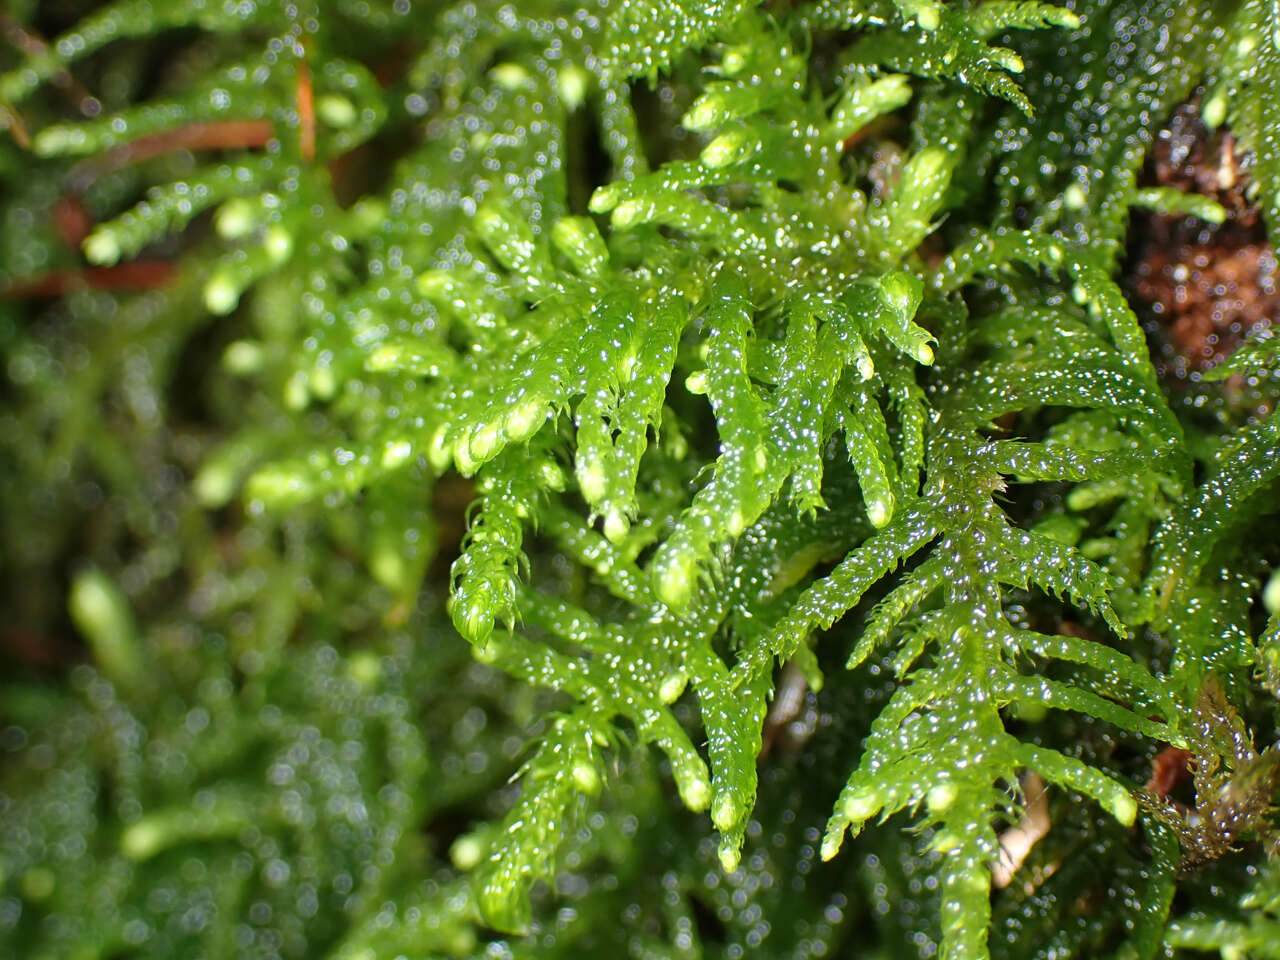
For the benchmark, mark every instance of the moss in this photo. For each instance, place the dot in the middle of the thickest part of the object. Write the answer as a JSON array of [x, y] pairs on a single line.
[[494, 480]]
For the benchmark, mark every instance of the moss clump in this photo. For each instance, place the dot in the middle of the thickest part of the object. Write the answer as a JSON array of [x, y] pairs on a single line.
[[494, 480]]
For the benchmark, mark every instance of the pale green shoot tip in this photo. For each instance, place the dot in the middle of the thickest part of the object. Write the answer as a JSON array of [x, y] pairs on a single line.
[[1062, 17], [102, 248], [605, 198], [278, 243], [880, 511], [1215, 111], [928, 17], [831, 844], [395, 453], [243, 357], [235, 219], [593, 480], [734, 61], [485, 441], [474, 623], [1271, 593], [696, 383], [1123, 807], [336, 112], [365, 668], [220, 295], [941, 796], [724, 813], [439, 451], [672, 687], [706, 112], [571, 81], [586, 779], [944, 841], [297, 392], [435, 284], [142, 840], [726, 150], [324, 382], [860, 806], [509, 76], [697, 794], [627, 214], [730, 856], [214, 485], [59, 139], [467, 852], [524, 420], [675, 570], [616, 525]]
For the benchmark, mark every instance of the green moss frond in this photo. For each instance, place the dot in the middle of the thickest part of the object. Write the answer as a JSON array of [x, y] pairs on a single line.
[[636, 434]]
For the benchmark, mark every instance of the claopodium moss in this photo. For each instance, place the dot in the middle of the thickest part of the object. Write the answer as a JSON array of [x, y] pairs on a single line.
[[512, 473]]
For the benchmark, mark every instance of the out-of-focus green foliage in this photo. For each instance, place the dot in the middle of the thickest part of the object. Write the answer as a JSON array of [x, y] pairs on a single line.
[[495, 480]]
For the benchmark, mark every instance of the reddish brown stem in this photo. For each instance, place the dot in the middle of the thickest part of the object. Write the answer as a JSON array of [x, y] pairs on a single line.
[[138, 275], [72, 220], [1168, 768], [11, 121], [306, 113], [36, 650], [220, 135]]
